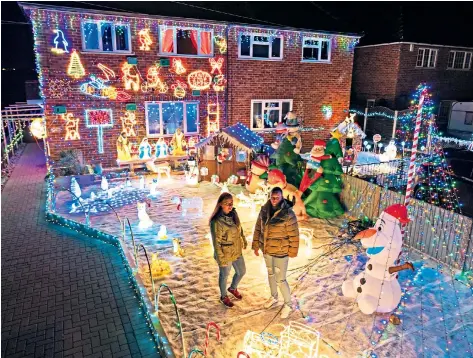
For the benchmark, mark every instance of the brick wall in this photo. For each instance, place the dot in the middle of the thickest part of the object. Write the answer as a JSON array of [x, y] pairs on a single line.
[[309, 85], [375, 72]]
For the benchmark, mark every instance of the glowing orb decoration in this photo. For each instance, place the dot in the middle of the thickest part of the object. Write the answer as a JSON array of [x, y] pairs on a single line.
[[37, 128], [199, 80], [60, 42], [179, 89]]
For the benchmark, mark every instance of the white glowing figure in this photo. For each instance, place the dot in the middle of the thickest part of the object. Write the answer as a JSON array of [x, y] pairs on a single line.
[[145, 221], [246, 202], [104, 184], [306, 235], [377, 289], [60, 38], [93, 196], [75, 188], [128, 183], [192, 175], [178, 66], [390, 152], [152, 187], [163, 233], [142, 182], [161, 148], [195, 204], [224, 187], [74, 207]]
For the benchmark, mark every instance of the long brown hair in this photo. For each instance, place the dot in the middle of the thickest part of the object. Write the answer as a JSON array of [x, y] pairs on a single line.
[[218, 209]]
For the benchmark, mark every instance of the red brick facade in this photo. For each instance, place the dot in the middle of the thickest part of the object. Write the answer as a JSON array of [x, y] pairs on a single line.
[[388, 72], [309, 85]]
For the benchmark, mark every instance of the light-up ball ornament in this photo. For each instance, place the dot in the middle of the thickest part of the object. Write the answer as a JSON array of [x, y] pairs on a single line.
[[199, 80], [37, 128]]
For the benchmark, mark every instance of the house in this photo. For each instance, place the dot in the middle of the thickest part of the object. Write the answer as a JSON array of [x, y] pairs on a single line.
[[386, 74], [102, 73], [461, 119]]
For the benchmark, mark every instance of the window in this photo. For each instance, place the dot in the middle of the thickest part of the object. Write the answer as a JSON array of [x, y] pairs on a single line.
[[469, 118], [315, 50], [260, 47], [106, 37], [163, 118], [266, 114], [426, 57], [459, 60], [185, 41]]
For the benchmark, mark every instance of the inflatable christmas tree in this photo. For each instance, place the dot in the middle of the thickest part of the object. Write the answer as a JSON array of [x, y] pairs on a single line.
[[289, 162], [323, 201]]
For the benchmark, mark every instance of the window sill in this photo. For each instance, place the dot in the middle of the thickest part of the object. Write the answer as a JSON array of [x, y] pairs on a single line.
[[156, 136], [313, 61], [425, 68], [121, 53], [268, 130], [261, 59], [184, 55], [458, 69]]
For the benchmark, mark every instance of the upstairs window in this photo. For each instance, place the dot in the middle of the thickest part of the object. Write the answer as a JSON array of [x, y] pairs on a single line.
[[266, 114], [315, 50], [102, 36], [185, 41], [264, 47], [459, 60], [426, 57]]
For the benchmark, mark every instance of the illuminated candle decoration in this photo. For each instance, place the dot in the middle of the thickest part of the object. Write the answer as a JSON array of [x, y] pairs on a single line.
[[128, 121], [72, 126], [60, 42], [99, 118], [199, 80], [75, 68], [145, 40], [179, 89], [216, 65], [37, 128], [59, 88], [178, 66], [221, 43], [219, 83], [327, 111], [131, 78]]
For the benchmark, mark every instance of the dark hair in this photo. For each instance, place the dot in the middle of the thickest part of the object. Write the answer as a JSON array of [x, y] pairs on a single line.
[[218, 209], [275, 190]]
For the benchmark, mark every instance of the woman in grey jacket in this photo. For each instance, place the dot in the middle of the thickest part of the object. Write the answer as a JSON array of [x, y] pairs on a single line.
[[228, 242]]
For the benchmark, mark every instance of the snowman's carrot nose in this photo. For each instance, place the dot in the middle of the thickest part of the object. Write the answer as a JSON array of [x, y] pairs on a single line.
[[365, 234]]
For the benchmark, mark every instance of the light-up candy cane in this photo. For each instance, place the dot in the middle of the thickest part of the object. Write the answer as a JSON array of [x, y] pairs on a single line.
[[412, 163], [217, 328], [244, 354]]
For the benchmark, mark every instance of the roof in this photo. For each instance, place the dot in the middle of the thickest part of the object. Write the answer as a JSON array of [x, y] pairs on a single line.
[[256, 14], [237, 135], [415, 43]]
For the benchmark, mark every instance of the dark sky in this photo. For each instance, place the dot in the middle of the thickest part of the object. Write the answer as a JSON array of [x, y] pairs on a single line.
[[430, 22]]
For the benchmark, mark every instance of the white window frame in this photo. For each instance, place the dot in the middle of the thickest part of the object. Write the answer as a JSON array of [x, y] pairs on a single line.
[[114, 39], [174, 47], [263, 101], [161, 124], [270, 50], [464, 67], [319, 47], [431, 50]]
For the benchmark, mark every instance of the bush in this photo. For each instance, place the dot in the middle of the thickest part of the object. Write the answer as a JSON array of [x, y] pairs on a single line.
[[70, 163]]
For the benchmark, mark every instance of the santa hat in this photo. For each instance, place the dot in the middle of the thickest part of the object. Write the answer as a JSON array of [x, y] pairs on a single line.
[[319, 143], [261, 162], [276, 176], [398, 211]]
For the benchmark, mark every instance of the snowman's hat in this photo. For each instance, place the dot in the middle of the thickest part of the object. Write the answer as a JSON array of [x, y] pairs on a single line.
[[292, 124], [398, 211], [281, 128]]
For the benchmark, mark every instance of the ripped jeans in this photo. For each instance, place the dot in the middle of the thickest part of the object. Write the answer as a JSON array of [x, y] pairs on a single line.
[[277, 268]]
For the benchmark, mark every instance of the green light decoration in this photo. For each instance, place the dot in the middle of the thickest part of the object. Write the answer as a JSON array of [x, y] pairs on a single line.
[[194, 352]]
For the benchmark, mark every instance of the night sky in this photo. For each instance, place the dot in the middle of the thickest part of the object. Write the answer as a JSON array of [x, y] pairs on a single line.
[[428, 22]]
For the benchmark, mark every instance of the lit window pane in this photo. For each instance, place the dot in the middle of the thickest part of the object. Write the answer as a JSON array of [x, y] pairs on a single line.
[[173, 115], [191, 117], [121, 36], [271, 118], [468, 60], [91, 36], [258, 115], [153, 119], [107, 43]]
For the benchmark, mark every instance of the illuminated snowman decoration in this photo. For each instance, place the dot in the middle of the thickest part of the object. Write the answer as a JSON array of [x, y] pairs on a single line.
[[104, 184], [145, 221], [377, 288], [390, 152]]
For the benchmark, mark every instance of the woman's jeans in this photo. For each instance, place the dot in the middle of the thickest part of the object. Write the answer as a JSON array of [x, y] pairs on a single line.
[[240, 270], [277, 268]]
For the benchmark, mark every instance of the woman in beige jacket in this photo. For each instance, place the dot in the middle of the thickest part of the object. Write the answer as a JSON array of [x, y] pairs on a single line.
[[228, 242]]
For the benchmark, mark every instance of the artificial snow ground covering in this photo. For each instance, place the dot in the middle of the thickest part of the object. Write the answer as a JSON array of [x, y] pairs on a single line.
[[436, 312]]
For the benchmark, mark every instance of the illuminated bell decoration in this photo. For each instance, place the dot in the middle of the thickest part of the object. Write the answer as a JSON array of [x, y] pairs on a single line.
[[75, 68], [178, 67], [38, 128], [199, 80]]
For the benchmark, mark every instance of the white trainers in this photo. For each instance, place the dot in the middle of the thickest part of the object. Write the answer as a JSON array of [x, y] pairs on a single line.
[[270, 302], [286, 311]]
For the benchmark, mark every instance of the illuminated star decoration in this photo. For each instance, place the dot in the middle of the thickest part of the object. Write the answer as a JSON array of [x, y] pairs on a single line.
[[216, 65], [60, 38]]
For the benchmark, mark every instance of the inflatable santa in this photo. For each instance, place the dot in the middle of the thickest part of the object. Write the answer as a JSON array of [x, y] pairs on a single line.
[[377, 289]]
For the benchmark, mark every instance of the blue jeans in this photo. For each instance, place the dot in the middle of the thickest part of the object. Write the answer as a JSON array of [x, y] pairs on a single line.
[[277, 268], [240, 270]]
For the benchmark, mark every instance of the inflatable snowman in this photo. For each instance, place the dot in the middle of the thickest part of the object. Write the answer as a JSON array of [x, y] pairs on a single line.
[[390, 152], [377, 289]]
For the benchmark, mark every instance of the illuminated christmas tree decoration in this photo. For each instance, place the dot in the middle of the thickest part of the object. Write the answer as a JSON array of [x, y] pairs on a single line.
[[72, 126], [327, 111], [199, 80], [178, 67], [37, 128], [75, 69], [99, 118], [221, 43], [128, 121], [131, 80], [58, 88], [216, 65], [145, 40], [60, 40], [179, 89]]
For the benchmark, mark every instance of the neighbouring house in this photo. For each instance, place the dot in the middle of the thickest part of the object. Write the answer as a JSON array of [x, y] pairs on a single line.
[[387, 74], [461, 118], [102, 73]]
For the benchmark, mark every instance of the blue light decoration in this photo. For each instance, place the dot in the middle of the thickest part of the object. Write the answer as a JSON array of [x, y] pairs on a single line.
[[60, 40], [99, 118], [327, 111]]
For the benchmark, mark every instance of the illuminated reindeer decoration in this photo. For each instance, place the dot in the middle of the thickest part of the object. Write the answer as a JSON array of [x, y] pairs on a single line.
[[72, 127]]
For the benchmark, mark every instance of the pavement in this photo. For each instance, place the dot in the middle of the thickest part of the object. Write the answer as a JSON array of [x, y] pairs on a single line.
[[63, 294]]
